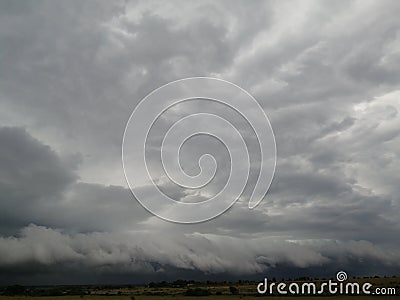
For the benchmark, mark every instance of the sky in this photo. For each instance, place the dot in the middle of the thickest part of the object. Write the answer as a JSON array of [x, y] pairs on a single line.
[[327, 74]]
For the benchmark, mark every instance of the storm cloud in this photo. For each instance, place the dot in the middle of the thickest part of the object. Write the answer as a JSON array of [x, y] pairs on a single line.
[[326, 74]]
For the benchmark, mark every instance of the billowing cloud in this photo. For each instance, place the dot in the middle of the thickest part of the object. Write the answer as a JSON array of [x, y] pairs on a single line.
[[32, 177], [327, 75], [148, 253]]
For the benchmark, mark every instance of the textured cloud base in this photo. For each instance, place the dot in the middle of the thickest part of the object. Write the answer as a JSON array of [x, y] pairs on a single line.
[[154, 254], [327, 75]]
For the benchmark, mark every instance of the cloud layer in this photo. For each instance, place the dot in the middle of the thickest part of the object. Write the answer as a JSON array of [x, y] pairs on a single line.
[[327, 75]]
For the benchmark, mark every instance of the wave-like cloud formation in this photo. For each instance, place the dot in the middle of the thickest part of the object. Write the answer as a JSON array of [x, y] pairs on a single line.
[[141, 252]]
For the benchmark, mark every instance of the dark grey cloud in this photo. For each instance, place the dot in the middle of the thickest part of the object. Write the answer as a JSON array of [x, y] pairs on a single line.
[[32, 177], [139, 253], [327, 75], [37, 185]]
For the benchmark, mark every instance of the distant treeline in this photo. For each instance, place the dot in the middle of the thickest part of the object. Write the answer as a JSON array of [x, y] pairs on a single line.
[[180, 283], [18, 290], [185, 287]]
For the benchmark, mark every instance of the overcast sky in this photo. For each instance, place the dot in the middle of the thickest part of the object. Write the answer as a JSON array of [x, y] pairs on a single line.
[[326, 73]]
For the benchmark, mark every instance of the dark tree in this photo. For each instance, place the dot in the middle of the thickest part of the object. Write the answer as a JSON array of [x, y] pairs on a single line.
[[234, 290]]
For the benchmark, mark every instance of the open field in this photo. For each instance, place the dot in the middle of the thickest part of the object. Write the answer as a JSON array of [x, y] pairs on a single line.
[[184, 290]]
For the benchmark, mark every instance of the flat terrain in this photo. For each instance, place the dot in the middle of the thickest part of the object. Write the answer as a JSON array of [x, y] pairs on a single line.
[[180, 290]]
